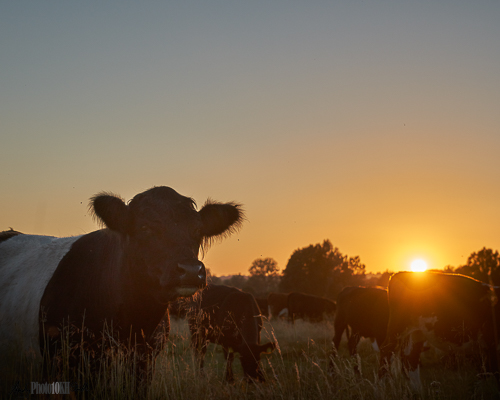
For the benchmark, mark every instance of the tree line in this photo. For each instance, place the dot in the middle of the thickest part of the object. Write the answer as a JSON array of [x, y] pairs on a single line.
[[322, 270]]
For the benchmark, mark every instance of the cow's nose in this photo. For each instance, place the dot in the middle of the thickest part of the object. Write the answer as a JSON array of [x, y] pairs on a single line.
[[192, 272]]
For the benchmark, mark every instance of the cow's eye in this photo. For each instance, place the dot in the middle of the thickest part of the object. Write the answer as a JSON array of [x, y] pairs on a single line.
[[146, 230]]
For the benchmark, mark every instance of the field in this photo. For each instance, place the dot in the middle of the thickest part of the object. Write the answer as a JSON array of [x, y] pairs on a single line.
[[297, 369]]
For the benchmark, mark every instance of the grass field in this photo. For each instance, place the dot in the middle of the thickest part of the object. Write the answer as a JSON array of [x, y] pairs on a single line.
[[297, 369]]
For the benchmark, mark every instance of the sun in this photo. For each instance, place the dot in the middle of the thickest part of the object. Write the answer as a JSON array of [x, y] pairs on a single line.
[[418, 265]]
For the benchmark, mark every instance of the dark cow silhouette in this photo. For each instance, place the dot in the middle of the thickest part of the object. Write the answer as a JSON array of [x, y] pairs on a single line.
[[306, 306], [365, 311], [230, 317], [277, 304], [263, 306], [125, 274], [446, 310]]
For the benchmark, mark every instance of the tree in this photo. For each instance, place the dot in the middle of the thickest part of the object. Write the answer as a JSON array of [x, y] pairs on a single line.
[[480, 264], [320, 270], [265, 267], [351, 272], [264, 277]]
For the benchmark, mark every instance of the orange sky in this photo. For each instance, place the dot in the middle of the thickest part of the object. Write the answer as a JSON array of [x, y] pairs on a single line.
[[373, 125]]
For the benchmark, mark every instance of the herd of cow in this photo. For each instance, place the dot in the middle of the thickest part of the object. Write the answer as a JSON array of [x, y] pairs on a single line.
[[446, 312], [147, 256]]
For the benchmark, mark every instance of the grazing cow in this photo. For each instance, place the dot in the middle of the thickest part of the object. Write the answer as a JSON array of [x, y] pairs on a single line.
[[306, 306], [277, 304], [446, 310], [124, 275], [263, 306], [365, 311], [230, 317]]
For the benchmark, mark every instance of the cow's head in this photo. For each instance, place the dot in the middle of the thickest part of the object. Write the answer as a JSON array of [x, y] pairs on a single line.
[[250, 359], [164, 232], [241, 324]]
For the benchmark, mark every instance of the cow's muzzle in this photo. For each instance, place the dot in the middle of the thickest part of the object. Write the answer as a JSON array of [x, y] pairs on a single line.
[[192, 277]]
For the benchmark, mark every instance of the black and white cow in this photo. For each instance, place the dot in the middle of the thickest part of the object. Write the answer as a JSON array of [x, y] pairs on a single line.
[[230, 317], [365, 311], [277, 304], [125, 274], [447, 311]]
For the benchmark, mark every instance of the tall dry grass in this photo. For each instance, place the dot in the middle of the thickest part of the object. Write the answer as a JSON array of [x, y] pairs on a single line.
[[297, 369]]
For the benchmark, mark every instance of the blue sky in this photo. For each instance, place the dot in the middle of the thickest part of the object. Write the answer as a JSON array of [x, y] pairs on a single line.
[[373, 124]]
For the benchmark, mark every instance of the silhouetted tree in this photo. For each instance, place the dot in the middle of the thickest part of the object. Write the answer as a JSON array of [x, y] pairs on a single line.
[[264, 277], [321, 270], [264, 267], [351, 272], [480, 264]]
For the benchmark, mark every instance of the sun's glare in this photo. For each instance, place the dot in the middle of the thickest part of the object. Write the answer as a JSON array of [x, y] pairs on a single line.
[[418, 265]]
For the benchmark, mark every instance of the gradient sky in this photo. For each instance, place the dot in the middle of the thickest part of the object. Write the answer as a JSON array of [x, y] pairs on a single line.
[[373, 124]]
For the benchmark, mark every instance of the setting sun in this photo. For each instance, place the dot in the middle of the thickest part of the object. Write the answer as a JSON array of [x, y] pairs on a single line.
[[418, 266]]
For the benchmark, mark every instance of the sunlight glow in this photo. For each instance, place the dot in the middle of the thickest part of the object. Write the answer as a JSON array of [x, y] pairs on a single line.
[[418, 265]]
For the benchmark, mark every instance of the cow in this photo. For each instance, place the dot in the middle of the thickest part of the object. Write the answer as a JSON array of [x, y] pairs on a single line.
[[263, 306], [449, 311], [365, 311], [306, 306], [277, 304], [231, 318], [123, 275]]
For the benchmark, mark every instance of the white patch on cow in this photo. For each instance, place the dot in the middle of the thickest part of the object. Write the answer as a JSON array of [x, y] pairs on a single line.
[[186, 291], [375, 346], [441, 347], [421, 330], [415, 382], [426, 324], [409, 345], [283, 313], [27, 262]]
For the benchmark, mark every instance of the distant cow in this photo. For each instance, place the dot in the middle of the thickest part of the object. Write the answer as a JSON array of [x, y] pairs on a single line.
[[365, 311], [448, 311], [125, 274], [263, 306], [230, 317], [277, 304], [306, 306]]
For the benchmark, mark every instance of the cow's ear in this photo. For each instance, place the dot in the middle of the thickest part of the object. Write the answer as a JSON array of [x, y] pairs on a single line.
[[112, 211], [220, 220]]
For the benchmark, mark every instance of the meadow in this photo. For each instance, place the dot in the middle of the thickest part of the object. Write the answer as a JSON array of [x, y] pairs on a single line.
[[297, 369]]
